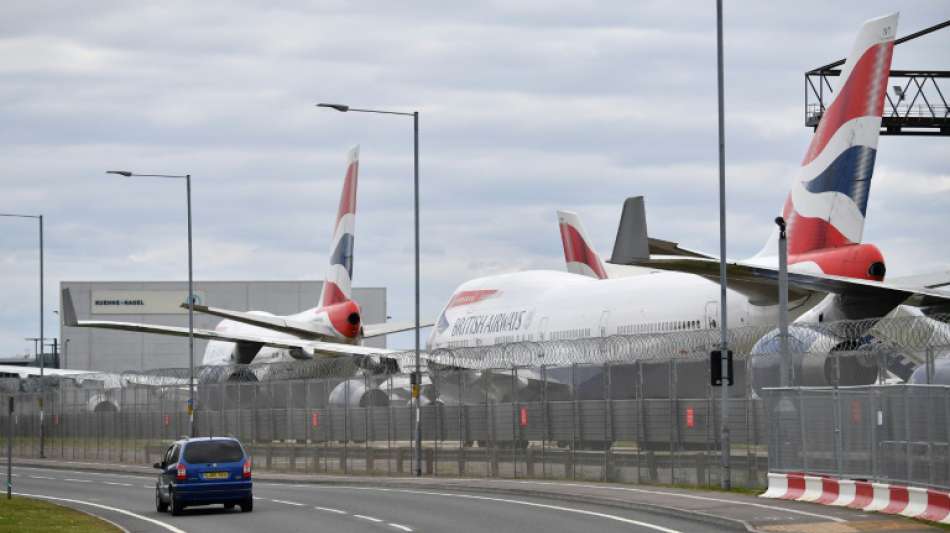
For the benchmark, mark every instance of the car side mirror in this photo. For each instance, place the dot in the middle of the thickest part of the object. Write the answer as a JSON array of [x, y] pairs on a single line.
[[158, 465]]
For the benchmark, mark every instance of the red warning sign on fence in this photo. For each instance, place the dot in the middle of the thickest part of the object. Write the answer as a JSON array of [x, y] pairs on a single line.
[[523, 418], [55, 420], [690, 417], [167, 420], [855, 412], [315, 419]]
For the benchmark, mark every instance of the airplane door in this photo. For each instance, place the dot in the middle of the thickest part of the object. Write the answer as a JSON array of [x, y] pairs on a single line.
[[604, 319], [712, 314], [542, 328]]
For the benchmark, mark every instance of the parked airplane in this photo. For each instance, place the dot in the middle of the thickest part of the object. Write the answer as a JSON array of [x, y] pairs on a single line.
[[833, 275], [333, 328]]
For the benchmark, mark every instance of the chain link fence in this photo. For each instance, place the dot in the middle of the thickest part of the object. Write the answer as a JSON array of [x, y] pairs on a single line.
[[892, 433], [635, 408]]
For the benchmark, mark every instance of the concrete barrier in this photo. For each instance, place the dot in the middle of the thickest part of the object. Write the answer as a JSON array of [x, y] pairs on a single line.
[[913, 502]]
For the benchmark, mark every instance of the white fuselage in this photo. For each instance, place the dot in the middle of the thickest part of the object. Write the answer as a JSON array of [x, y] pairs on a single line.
[[545, 305]]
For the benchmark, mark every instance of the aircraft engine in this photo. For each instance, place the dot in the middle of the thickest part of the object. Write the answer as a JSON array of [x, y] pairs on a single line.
[[358, 393], [102, 403], [813, 353]]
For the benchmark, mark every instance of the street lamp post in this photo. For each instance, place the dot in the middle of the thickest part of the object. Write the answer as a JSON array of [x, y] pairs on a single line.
[[725, 481], [417, 375], [191, 292], [42, 359]]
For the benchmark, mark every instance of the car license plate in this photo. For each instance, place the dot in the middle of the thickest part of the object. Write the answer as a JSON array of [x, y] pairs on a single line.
[[216, 475]]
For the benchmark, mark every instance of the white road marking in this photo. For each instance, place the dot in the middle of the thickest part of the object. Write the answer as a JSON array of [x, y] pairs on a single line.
[[288, 503], [169, 527], [117, 484], [64, 471], [364, 517], [330, 510], [147, 487], [78, 480], [41, 477], [400, 526], [520, 502], [691, 497]]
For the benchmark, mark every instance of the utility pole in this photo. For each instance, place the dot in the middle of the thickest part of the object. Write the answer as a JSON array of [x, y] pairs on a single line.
[[725, 452]]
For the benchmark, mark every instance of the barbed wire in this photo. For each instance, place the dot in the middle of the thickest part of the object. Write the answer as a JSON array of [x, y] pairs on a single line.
[[914, 333]]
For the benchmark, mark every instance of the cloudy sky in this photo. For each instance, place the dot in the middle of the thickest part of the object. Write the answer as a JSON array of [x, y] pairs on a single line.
[[526, 107]]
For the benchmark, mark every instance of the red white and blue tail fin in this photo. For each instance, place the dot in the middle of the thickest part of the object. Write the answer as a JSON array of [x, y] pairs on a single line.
[[579, 254], [828, 202], [827, 206], [337, 285]]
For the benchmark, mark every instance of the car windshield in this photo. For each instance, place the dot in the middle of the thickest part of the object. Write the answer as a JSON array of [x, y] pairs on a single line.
[[213, 451]]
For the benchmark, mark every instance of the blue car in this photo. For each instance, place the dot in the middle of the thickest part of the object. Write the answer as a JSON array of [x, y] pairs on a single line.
[[204, 471]]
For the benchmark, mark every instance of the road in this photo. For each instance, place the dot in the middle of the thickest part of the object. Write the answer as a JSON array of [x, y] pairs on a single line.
[[128, 500]]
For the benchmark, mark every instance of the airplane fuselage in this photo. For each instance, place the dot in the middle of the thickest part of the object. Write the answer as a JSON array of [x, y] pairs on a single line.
[[544, 305]]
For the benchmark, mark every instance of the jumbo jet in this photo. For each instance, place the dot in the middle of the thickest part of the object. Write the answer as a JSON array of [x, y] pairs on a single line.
[[333, 328], [833, 274]]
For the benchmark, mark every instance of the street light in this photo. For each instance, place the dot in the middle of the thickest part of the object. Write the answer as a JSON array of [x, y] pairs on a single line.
[[191, 292], [417, 375], [42, 359]]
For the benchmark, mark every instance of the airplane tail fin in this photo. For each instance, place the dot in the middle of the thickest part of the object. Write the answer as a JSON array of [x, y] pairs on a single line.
[[579, 254], [337, 283], [827, 205]]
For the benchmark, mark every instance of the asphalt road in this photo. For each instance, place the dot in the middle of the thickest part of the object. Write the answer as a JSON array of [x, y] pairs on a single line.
[[128, 500]]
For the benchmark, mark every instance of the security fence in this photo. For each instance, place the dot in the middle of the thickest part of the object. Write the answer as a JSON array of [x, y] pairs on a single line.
[[645, 422], [889, 433], [629, 408]]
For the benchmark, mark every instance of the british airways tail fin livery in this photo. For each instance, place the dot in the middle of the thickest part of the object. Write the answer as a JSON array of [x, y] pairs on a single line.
[[578, 252]]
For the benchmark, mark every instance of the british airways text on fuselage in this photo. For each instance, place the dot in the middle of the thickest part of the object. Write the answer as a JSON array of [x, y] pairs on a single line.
[[492, 323]]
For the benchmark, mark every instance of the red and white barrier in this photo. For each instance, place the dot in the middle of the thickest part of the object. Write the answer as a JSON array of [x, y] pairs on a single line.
[[913, 502]]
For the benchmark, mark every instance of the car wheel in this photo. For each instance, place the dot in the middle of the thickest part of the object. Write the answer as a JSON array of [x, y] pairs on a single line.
[[160, 506], [229, 506], [177, 506], [247, 505]]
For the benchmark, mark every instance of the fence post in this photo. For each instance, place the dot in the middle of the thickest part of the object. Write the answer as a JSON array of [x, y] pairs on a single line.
[[907, 442], [608, 423], [346, 426], [674, 420], [515, 430], [836, 397], [574, 406], [389, 426], [801, 429], [545, 429], [907, 434], [875, 413], [461, 423], [931, 421]]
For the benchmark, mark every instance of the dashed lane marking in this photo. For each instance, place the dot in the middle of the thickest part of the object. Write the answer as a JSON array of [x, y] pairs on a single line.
[[616, 518], [364, 517], [330, 510], [41, 477], [288, 503], [117, 484], [169, 527], [78, 480], [400, 526]]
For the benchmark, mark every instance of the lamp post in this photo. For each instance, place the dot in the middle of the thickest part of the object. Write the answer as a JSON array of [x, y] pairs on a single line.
[[417, 375], [191, 292], [42, 361], [725, 481]]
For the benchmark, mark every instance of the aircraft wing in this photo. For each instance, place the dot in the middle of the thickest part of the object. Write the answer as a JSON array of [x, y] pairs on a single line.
[[270, 322], [385, 328], [767, 278], [30, 371]]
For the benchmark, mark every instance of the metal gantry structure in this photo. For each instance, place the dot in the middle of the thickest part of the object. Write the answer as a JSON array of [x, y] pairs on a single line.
[[915, 105]]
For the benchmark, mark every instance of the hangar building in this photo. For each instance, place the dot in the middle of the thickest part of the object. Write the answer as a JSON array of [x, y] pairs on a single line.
[[158, 302]]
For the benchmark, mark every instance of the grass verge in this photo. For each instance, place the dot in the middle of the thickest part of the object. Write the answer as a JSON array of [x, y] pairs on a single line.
[[28, 515]]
